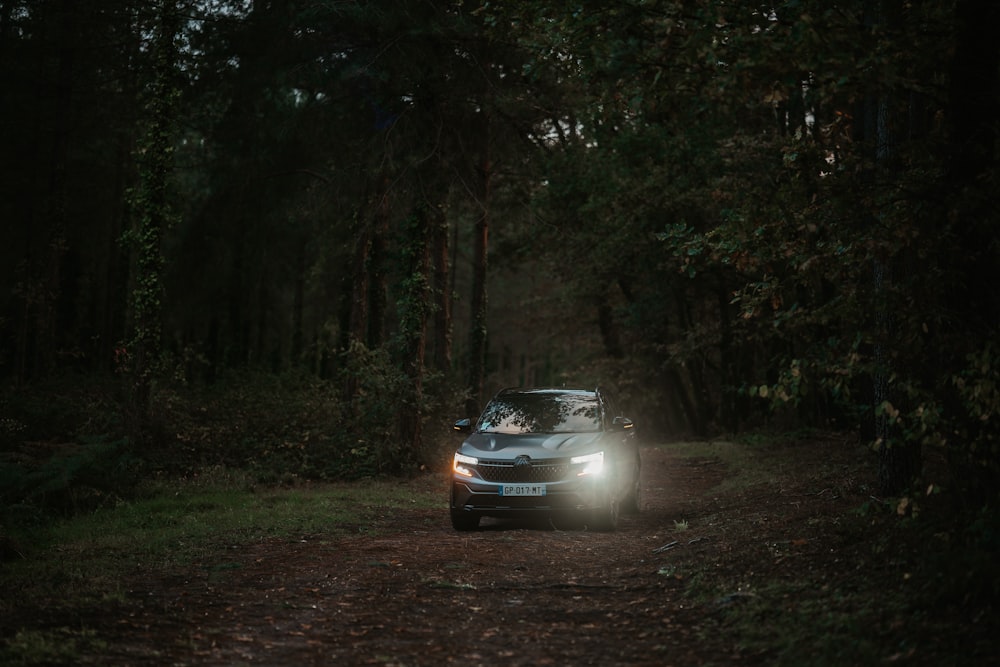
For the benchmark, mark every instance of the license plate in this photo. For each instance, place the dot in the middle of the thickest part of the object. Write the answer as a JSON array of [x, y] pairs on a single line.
[[522, 490]]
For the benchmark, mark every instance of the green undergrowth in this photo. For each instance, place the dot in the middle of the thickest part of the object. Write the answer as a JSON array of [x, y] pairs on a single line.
[[61, 567], [65, 448], [861, 580], [173, 523], [774, 460], [895, 593], [909, 580]]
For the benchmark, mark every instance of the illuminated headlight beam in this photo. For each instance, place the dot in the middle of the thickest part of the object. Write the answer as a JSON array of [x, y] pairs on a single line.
[[461, 464], [593, 464]]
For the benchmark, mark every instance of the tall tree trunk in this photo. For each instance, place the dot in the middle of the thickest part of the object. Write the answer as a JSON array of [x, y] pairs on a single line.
[[359, 285], [45, 228], [442, 292], [691, 384], [415, 303], [377, 280], [367, 286], [115, 274], [481, 237], [262, 353], [298, 304], [973, 110], [355, 325], [608, 326], [729, 408], [898, 459], [235, 352], [46, 334], [974, 107], [153, 215]]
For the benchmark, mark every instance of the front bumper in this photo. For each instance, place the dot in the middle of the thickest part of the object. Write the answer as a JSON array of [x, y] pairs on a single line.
[[484, 498]]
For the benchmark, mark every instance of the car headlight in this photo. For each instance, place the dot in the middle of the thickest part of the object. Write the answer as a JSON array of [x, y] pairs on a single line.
[[461, 464], [593, 464]]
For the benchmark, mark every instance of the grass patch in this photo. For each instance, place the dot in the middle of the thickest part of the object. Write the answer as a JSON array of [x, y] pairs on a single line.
[[760, 460], [179, 522], [802, 622], [745, 465], [59, 646]]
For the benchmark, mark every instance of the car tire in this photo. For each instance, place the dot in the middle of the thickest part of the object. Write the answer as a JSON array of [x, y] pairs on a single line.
[[464, 521], [632, 502], [604, 519]]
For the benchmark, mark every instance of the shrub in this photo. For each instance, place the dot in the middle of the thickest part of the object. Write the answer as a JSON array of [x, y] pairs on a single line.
[[70, 478]]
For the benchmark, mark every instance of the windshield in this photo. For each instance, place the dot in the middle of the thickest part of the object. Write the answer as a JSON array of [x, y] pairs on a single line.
[[541, 412]]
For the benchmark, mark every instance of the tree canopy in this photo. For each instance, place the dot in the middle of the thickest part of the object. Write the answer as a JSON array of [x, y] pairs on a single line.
[[740, 214]]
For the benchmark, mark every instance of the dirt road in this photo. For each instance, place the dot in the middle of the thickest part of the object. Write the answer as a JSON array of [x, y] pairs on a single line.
[[411, 591]]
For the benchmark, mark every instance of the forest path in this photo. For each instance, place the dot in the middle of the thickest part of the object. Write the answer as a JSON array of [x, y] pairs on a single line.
[[410, 591]]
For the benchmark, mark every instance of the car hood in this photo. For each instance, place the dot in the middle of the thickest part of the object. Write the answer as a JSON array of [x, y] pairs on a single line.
[[535, 445]]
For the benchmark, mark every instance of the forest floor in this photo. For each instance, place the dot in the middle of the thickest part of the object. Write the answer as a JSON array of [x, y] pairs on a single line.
[[801, 566]]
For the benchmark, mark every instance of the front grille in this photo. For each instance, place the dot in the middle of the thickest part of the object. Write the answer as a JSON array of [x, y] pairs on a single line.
[[505, 472]]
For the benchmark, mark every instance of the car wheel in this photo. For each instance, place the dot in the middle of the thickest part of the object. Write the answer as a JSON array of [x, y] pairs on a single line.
[[605, 517], [632, 502], [464, 521]]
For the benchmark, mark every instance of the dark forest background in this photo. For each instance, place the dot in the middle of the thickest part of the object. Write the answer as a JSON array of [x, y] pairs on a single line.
[[303, 237]]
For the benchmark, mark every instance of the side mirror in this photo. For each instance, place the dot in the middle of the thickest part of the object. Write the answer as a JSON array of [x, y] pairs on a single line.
[[463, 425], [622, 424]]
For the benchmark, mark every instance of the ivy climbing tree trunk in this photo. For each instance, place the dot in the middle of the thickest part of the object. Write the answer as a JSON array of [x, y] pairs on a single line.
[[442, 292], [478, 329], [414, 306], [152, 215]]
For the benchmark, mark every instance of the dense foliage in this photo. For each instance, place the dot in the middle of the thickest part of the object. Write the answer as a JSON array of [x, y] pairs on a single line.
[[743, 215]]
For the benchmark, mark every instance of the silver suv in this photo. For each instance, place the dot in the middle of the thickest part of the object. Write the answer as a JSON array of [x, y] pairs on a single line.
[[546, 450]]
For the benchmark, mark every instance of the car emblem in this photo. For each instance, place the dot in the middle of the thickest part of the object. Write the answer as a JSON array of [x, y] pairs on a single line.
[[522, 462]]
